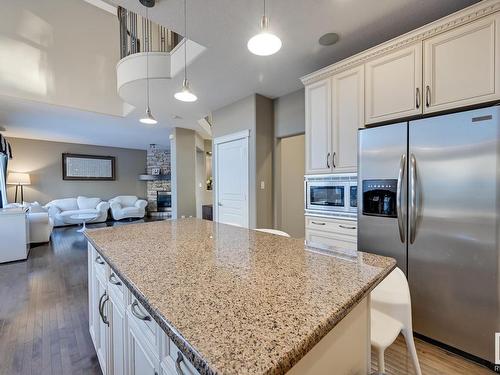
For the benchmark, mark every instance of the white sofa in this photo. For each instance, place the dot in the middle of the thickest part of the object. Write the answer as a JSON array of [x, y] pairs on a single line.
[[127, 207], [61, 210]]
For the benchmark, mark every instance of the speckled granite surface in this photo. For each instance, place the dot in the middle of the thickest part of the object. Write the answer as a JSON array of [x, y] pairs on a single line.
[[236, 301]]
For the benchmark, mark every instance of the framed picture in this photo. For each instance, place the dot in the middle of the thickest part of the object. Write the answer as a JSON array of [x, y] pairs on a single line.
[[88, 167], [155, 171]]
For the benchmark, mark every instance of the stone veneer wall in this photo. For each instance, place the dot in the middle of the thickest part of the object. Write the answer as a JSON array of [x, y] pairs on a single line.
[[157, 157]]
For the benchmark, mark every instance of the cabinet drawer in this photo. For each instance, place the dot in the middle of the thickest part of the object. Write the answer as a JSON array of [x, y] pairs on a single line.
[[173, 360], [344, 227], [148, 327], [116, 286], [331, 239], [99, 264]]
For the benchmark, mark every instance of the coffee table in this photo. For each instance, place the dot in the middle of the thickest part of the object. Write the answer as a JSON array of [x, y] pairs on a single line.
[[83, 218]]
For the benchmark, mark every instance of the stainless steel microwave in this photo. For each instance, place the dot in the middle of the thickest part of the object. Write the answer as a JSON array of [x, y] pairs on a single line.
[[333, 195]]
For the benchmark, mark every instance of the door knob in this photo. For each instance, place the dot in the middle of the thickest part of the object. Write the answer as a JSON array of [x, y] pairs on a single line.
[[219, 204]]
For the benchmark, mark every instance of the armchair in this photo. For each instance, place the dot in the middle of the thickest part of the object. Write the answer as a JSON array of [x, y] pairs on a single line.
[[127, 207]]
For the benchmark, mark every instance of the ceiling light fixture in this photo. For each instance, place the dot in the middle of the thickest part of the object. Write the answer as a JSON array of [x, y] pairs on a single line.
[[264, 43], [185, 95], [149, 118]]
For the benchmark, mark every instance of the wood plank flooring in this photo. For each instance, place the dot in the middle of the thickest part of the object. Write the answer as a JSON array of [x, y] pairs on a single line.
[[433, 361], [44, 318]]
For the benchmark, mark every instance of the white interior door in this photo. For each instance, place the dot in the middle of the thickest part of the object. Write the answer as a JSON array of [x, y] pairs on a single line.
[[231, 179]]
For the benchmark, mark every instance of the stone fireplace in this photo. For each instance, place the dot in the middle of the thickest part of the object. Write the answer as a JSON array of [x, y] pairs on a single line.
[[157, 158]]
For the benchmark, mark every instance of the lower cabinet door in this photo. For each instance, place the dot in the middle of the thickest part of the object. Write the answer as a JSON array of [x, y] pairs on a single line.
[[100, 327], [141, 357], [117, 359]]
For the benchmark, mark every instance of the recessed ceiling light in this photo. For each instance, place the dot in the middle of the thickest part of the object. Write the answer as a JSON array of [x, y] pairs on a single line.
[[329, 39]]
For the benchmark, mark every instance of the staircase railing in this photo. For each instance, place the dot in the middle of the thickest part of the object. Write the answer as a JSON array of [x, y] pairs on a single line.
[[138, 34]]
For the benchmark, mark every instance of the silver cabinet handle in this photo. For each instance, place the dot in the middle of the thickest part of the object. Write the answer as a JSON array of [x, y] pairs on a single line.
[[333, 160], [99, 260], [417, 98], [113, 280], [102, 302], [427, 96], [317, 223], [178, 361], [347, 226], [328, 160], [138, 315], [399, 198], [413, 198]]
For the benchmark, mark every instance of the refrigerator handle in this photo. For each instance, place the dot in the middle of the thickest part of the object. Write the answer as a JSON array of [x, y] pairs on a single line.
[[399, 196], [413, 198]]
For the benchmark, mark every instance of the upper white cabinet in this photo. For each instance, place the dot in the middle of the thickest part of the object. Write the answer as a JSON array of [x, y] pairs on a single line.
[[318, 127], [394, 85], [461, 66], [334, 112], [347, 117]]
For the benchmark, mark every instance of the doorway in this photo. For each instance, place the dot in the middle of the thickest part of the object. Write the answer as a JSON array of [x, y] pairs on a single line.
[[289, 182], [231, 179]]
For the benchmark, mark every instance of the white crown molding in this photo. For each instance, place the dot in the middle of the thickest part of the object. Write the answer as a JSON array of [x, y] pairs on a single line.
[[469, 14]]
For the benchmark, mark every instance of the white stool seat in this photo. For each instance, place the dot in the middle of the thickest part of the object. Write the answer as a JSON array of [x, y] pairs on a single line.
[[384, 329], [274, 231], [390, 315]]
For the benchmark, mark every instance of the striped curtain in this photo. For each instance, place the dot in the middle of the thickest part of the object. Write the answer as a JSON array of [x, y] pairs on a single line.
[[5, 155]]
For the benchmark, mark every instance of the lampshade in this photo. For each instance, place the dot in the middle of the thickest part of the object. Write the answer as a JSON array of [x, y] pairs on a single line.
[[18, 178]]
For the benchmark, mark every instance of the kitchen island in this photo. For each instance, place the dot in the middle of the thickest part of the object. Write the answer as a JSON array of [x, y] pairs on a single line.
[[193, 296]]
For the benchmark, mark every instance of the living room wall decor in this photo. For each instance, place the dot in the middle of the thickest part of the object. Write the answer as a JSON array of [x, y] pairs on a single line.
[[88, 167]]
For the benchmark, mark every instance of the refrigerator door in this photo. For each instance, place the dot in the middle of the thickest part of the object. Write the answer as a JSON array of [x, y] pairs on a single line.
[[453, 256], [382, 191]]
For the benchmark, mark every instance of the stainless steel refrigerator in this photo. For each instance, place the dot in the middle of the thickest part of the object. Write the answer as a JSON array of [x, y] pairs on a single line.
[[429, 197]]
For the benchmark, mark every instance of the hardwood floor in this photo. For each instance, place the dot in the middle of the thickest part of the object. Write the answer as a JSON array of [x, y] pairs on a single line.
[[433, 361], [44, 318]]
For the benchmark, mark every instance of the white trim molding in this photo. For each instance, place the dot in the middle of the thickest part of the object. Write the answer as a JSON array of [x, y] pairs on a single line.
[[232, 137], [469, 14]]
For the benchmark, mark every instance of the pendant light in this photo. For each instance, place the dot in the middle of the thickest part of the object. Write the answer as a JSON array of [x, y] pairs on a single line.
[[185, 95], [149, 118], [264, 43]]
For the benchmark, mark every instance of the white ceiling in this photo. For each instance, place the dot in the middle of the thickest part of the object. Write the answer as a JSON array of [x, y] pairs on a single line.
[[35, 120], [227, 71]]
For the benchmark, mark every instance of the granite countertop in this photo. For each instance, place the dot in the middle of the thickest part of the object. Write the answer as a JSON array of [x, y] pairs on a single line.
[[237, 301]]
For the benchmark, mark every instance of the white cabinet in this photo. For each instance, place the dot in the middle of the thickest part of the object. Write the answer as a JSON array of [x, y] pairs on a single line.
[[318, 127], [332, 232], [334, 112], [117, 346], [142, 359], [394, 85], [462, 66], [101, 325], [347, 118]]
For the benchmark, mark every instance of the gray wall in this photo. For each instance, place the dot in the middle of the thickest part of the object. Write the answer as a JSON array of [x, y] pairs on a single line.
[[289, 114], [43, 161], [255, 113], [290, 197], [289, 159], [183, 148], [264, 161]]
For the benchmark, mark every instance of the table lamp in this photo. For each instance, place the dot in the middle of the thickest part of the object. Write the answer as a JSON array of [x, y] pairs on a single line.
[[18, 179]]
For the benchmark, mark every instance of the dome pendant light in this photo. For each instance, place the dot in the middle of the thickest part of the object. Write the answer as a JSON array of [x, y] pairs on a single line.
[[185, 95], [264, 43], [149, 118]]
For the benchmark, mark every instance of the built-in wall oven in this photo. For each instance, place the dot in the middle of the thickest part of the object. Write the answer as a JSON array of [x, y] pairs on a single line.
[[334, 195]]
